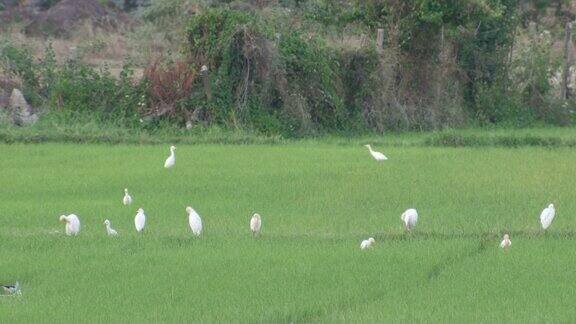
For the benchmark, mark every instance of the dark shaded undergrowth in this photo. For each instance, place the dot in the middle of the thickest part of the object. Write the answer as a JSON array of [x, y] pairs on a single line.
[[53, 131]]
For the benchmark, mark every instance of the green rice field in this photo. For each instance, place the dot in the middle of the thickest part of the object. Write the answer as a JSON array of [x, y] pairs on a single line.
[[318, 201]]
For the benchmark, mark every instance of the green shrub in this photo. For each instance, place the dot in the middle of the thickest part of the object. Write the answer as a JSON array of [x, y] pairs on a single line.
[[458, 140], [73, 88], [20, 62], [312, 71], [80, 89], [497, 103]]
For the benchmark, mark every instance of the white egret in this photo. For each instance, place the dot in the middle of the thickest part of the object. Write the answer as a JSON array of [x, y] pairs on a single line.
[[109, 229], [506, 243], [127, 200], [409, 217], [255, 224], [547, 216], [140, 220], [194, 220], [376, 155], [12, 289], [72, 224], [366, 244], [171, 160]]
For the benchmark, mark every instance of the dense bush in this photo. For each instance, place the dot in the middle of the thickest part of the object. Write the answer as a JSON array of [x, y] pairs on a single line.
[[263, 79], [168, 89], [278, 79]]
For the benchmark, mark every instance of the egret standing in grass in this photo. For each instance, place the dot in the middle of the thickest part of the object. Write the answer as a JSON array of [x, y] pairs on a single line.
[[127, 200], [72, 224], [12, 289], [366, 244], [140, 220], [171, 160], [376, 155], [255, 224], [409, 217], [506, 243], [194, 221], [547, 216], [109, 229]]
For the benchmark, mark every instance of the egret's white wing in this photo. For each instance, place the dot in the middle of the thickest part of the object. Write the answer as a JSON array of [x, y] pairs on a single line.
[[546, 217], [73, 225], [195, 222], [127, 199], [380, 156], [410, 218], [140, 221], [255, 224], [170, 161]]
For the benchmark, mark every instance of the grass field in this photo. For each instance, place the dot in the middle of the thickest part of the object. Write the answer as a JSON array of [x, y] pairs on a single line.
[[317, 201]]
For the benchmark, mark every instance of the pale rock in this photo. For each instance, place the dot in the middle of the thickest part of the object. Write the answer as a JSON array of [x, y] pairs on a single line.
[[20, 109]]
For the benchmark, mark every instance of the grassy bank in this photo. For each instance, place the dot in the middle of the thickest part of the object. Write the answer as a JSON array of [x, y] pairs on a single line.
[[53, 130]]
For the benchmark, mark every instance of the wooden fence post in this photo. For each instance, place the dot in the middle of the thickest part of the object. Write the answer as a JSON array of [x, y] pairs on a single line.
[[205, 74], [441, 61], [567, 62], [380, 39]]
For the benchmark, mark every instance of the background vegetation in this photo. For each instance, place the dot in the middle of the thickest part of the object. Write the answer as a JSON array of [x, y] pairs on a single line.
[[296, 68]]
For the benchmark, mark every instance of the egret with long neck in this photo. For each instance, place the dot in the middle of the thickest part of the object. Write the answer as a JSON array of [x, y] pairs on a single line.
[[376, 155], [109, 230], [171, 160]]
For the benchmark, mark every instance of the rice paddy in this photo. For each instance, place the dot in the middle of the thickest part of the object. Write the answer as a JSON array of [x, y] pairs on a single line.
[[317, 201]]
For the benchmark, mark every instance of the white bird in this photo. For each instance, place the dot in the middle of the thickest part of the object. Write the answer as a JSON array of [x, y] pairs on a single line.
[[109, 229], [171, 160], [366, 244], [12, 289], [72, 224], [127, 200], [547, 216], [506, 243], [140, 220], [376, 155], [255, 224], [409, 217], [194, 220]]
